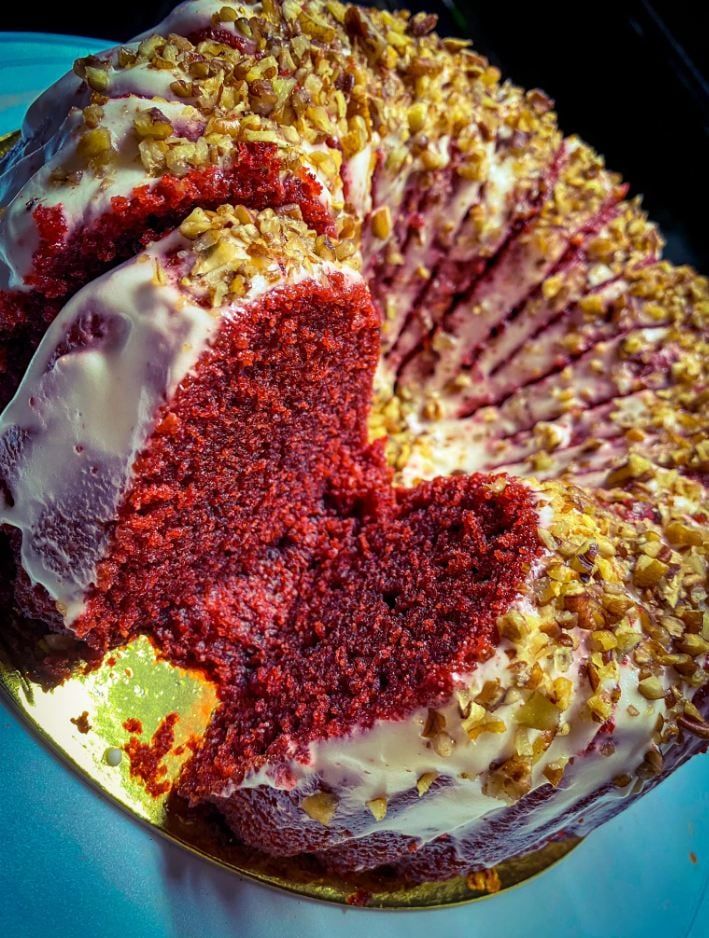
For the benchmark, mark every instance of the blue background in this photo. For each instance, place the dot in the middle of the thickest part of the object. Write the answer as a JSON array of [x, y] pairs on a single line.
[[72, 864]]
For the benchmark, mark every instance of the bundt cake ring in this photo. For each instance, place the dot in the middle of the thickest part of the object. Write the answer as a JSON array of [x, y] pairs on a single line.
[[331, 365]]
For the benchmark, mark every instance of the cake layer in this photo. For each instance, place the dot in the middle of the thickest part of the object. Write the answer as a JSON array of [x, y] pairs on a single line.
[[406, 593]]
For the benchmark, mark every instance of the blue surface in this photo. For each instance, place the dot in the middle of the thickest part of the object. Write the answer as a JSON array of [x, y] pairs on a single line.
[[72, 864], [29, 62]]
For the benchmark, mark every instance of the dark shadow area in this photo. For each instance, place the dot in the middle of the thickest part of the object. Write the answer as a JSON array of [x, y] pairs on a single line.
[[44, 658]]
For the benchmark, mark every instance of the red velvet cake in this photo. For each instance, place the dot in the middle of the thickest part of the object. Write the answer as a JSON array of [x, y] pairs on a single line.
[[333, 367]]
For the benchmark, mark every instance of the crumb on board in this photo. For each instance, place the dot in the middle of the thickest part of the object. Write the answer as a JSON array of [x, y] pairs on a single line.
[[82, 722], [146, 765], [484, 881]]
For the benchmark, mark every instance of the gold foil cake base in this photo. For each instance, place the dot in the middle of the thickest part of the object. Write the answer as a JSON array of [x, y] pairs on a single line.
[[7, 141], [91, 717]]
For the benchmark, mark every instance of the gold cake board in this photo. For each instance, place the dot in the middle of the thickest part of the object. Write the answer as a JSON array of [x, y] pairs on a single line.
[[132, 683], [7, 141]]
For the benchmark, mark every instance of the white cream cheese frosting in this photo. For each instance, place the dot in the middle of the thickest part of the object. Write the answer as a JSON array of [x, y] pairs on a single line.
[[85, 200], [78, 419]]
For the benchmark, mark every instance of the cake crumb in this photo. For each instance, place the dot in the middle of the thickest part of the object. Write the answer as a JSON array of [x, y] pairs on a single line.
[[484, 881], [146, 765], [82, 722]]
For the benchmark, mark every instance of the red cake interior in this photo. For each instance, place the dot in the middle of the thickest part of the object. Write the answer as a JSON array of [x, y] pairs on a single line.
[[409, 594], [262, 540]]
